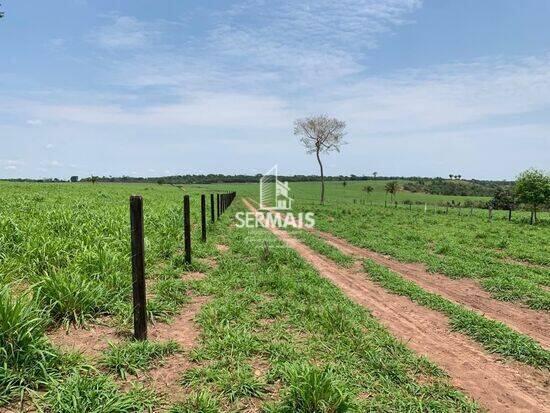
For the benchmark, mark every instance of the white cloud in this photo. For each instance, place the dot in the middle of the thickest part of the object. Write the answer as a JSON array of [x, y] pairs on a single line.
[[200, 109], [56, 43], [51, 164], [405, 101], [34, 122], [124, 32], [444, 96], [310, 41], [11, 164]]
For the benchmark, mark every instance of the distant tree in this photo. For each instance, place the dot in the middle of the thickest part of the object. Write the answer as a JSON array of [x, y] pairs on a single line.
[[74, 178], [374, 174], [458, 176], [504, 198], [93, 179], [533, 188], [392, 188], [368, 189], [344, 184], [451, 176], [320, 134]]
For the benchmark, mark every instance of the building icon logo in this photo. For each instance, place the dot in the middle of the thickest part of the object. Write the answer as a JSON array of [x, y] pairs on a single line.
[[274, 193]]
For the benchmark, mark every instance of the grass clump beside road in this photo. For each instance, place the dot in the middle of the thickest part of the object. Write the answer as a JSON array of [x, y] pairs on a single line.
[[202, 402], [312, 389], [93, 393], [135, 356], [493, 335]]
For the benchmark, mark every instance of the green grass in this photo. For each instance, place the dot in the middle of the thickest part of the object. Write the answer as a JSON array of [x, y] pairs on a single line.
[[71, 298], [495, 336], [68, 247], [322, 247], [27, 361], [510, 259], [274, 322], [135, 356], [95, 394], [311, 389], [202, 402], [275, 333]]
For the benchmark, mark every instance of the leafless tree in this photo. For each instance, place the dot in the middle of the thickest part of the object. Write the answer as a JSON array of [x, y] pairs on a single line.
[[320, 134]]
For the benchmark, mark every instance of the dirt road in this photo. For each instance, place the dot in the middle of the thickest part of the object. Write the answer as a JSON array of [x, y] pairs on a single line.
[[497, 385]]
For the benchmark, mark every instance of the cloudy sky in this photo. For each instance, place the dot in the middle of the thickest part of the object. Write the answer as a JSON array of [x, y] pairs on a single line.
[[174, 87]]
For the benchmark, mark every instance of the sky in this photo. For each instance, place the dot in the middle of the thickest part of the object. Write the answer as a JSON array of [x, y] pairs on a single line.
[[152, 88]]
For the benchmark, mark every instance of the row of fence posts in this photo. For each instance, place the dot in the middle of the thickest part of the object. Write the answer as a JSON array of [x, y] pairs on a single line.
[[223, 201], [460, 208]]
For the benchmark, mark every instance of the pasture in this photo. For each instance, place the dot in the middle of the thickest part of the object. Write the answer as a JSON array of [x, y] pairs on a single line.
[[253, 324]]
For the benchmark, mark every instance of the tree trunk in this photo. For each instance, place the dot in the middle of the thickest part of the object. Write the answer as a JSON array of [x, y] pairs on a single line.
[[322, 178], [510, 214]]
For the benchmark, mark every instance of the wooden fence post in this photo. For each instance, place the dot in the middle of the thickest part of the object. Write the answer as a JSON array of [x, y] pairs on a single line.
[[218, 205], [203, 217], [138, 268], [187, 229], [212, 217]]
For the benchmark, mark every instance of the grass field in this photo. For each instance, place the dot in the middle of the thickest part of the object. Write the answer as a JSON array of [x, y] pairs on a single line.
[[511, 259], [269, 334]]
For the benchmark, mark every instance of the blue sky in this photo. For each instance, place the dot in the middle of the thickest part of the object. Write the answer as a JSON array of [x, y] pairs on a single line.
[[174, 87]]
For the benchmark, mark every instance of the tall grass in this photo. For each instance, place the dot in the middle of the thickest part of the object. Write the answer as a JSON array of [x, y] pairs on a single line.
[[71, 297], [89, 393], [26, 358], [312, 389]]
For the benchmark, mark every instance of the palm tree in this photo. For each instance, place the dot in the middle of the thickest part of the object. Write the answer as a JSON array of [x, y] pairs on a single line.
[[458, 177], [451, 176], [374, 174]]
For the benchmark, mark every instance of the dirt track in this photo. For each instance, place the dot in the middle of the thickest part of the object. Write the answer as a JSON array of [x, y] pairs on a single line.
[[498, 386], [464, 291]]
